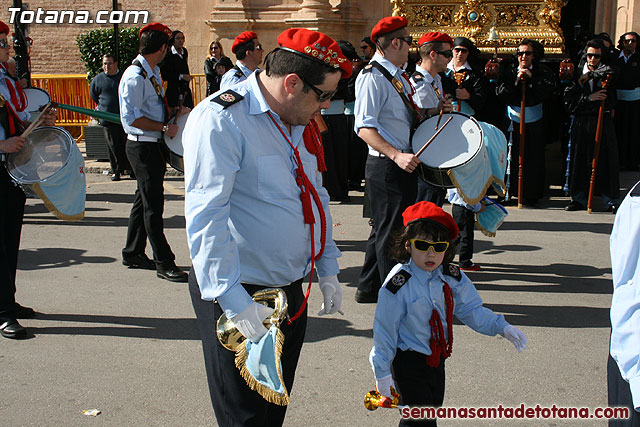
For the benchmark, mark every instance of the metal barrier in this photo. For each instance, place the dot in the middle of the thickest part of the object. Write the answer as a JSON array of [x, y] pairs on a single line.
[[73, 89]]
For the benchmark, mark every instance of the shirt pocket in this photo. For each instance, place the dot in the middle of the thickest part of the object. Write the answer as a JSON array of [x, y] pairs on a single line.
[[274, 176], [419, 314]]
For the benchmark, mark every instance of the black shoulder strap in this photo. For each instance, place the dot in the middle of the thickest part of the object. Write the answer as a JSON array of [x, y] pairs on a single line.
[[417, 76], [397, 85], [239, 72], [227, 98], [157, 88], [367, 69], [396, 282], [138, 64], [452, 270]]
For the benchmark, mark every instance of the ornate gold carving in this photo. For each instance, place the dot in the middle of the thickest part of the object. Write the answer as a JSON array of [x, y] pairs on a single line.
[[473, 15], [513, 19], [426, 16], [518, 15]]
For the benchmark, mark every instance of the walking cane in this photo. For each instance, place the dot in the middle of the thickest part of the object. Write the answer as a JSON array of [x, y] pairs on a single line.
[[459, 76], [522, 137], [596, 147]]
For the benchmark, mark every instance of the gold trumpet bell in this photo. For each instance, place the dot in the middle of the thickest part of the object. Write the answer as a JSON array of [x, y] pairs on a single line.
[[275, 298]]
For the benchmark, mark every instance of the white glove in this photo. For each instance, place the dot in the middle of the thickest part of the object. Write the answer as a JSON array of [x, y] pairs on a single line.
[[249, 322], [332, 294], [383, 385], [516, 336]]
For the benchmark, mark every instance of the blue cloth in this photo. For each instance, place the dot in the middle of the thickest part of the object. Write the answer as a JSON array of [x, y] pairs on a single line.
[[625, 304], [379, 106], [261, 361], [531, 114], [402, 319], [242, 204], [138, 98], [496, 145], [64, 193], [492, 217], [229, 78], [628, 94], [425, 96], [349, 108], [454, 198]]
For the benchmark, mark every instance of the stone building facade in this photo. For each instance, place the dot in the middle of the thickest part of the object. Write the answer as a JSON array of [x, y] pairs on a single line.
[[55, 51]]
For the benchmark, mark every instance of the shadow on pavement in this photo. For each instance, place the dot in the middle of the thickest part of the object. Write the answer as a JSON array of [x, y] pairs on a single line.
[[176, 221], [120, 326], [45, 258], [323, 328]]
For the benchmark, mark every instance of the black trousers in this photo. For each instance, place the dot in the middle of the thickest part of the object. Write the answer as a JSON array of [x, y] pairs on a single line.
[[336, 156], [117, 143], [11, 214], [234, 403], [466, 221], [358, 152], [145, 219], [430, 193], [620, 395], [628, 133], [418, 384], [391, 190]]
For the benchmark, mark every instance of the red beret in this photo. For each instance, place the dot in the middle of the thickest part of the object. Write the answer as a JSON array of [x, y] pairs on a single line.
[[155, 26], [242, 38], [435, 36], [427, 211], [388, 24], [316, 46], [4, 28]]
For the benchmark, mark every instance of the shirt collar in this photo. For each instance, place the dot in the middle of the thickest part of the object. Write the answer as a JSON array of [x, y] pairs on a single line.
[[466, 66], [386, 64], [260, 105], [147, 67], [425, 276], [245, 70], [427, 76]]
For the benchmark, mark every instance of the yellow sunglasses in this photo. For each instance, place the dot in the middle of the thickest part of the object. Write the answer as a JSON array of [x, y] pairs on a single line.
[[424, 245]]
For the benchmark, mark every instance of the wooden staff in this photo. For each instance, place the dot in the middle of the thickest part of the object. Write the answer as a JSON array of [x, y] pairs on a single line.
[[522, 137], [459, 76], [596, 147]]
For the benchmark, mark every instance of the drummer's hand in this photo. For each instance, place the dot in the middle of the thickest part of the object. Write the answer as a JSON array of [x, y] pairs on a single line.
[[445, 104], [462, 93], [598, 96], [183, 110], [49, 118], [187, 77], [406, 161], [12, 145], [172, 130]]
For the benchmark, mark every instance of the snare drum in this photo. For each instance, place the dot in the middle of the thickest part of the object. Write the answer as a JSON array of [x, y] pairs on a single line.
[[176, 151], [51, 165], [458, 144], [36, 99]]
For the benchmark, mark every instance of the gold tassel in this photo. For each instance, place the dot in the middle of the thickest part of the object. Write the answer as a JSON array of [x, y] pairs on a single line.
[[464, 196], [484, 231], [267, 394]]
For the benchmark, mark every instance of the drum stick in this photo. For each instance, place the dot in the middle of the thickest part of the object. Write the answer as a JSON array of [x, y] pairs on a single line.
[[433, 137], [37, 121], [440, 118]]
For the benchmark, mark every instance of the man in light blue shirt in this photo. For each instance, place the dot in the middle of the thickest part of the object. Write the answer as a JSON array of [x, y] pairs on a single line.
[[383, 120], [623, 368], [143, 114], [248, 51], [256, 212]]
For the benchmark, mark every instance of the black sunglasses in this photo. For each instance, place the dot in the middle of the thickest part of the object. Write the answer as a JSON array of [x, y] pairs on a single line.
[[594, 55], [407, 39], [630, 41], [322, 95], [461, 49], [445, 53], [524, 53], [364, 47]]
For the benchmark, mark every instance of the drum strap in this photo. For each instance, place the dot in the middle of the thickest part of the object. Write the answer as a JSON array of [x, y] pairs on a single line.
[[157, 87], [397, 85]]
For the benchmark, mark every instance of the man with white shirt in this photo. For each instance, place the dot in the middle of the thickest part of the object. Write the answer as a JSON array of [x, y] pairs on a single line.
[[435, 52], [384, 117], [470, 95], [628, 106], [248, 51]]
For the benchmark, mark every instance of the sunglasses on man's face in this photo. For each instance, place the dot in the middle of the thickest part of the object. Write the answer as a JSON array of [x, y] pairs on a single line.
[[408, 39], [594, 55], [424, 245], [445, 53], [460, 50], [630, 40], [258, 47], [364, 47], [525, 53], [323, 96], [4, 44]]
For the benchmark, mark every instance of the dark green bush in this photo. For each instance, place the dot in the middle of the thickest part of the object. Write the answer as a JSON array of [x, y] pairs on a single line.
[[96, 43]]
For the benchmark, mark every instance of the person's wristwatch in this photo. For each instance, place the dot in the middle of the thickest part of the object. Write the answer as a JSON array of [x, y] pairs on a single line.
[[165, 128]]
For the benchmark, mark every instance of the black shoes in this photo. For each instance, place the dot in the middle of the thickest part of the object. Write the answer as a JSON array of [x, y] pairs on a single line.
[[23, 312], [172, 274], [366, 297], [115, 177], [139, 261], [12, 329], [575, 206]]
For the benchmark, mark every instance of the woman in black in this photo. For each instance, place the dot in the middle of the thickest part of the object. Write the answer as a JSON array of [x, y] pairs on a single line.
[[216, 57], [175, 71]]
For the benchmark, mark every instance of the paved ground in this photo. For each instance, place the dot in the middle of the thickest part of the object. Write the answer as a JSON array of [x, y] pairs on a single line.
[[126, 343]]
